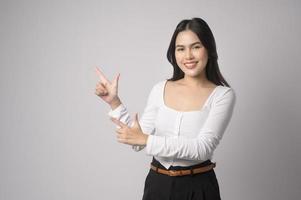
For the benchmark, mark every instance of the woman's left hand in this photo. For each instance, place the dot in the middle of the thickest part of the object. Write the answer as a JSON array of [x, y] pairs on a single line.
[[130, 135]]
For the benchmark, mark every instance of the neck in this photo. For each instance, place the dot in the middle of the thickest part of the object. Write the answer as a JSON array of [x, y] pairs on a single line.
[[196, 81]]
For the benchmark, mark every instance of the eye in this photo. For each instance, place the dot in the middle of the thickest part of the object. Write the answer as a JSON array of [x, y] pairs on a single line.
[[180, 49], [197, 47]]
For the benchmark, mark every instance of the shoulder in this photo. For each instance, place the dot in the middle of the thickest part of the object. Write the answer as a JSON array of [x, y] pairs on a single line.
[[225, 94], [159, 85], [156, 88], [224, 89], [155, 94]]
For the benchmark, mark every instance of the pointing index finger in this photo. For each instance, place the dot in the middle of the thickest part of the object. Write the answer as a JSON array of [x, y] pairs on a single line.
[[101, 75]]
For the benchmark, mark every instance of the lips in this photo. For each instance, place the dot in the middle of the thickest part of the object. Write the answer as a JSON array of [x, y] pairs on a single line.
[[190, 65]]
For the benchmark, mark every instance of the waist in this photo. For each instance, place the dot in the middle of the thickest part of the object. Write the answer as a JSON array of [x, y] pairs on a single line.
[[157, 163]]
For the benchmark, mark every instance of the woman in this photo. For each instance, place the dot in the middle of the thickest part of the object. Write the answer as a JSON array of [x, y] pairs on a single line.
[[184, 119]]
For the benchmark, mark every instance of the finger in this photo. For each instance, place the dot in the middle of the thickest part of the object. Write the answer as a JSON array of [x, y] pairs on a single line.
[[136, 120], [128, 138], [101, 89], [116, 80], [100, 85], [121, 140], [119, 136], [117, 122], [119, 132], [101, 75], [136, 117], [103, 85], [101, 93]]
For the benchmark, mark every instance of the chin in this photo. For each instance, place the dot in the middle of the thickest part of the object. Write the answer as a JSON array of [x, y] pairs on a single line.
[[193, 72]]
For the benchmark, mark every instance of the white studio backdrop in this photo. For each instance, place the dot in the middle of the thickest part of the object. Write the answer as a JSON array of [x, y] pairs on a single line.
[[56, 139]]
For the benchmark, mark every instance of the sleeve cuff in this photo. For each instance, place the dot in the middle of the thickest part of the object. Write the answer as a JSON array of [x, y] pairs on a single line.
[[116, 113]]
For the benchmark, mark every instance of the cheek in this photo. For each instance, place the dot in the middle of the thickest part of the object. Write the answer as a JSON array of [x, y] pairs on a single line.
[[203, 54], [178, 57], [200, 53]]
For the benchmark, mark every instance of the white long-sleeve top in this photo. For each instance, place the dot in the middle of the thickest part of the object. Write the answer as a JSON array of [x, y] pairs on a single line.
[[181, 138]]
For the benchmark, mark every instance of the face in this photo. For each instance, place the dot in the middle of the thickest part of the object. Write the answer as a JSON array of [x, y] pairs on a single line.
[[191, 55]]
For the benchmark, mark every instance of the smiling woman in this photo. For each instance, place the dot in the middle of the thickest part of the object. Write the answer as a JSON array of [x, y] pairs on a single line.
[[190, 53], [184, 119]]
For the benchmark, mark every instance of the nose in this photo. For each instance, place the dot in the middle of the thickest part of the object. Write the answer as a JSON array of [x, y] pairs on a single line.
[[188, 54]]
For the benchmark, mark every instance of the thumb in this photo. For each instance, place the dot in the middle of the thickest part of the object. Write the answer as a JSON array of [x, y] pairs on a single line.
[[136, 119], [116, 80]]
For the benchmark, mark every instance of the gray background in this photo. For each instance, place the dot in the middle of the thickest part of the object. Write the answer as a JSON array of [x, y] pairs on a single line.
[[57, 141]]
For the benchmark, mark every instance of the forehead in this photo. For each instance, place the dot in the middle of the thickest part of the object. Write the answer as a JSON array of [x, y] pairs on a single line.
[[186, 37]]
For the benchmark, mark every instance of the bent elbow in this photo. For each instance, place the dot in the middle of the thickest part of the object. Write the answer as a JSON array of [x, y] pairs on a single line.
[[206, 147]]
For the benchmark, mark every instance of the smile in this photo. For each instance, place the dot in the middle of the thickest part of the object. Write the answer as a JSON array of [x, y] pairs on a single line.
[[190, 65]]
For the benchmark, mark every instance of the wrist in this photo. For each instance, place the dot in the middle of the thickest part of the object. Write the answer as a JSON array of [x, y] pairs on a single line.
[[145, 139], [115, 103]]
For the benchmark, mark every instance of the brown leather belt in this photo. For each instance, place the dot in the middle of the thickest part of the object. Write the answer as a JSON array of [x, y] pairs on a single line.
[[183, 172]]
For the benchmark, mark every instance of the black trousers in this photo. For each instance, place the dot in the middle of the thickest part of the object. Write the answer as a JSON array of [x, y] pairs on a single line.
[[203, 186]]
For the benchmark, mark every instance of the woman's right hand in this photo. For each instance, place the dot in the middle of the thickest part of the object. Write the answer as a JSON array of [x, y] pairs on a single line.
[[106, 90]]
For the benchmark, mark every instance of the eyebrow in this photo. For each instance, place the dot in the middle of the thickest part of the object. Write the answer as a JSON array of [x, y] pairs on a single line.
[[179, 45]]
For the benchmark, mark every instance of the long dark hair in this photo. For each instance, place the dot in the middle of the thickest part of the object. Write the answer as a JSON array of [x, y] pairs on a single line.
[[202, 30]]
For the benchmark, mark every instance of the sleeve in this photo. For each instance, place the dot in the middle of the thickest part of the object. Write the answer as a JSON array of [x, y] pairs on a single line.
[[202, 146], [147, 119]]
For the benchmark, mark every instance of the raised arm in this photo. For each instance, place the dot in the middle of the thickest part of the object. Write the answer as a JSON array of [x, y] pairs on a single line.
[[202, 146], [147, 118]]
